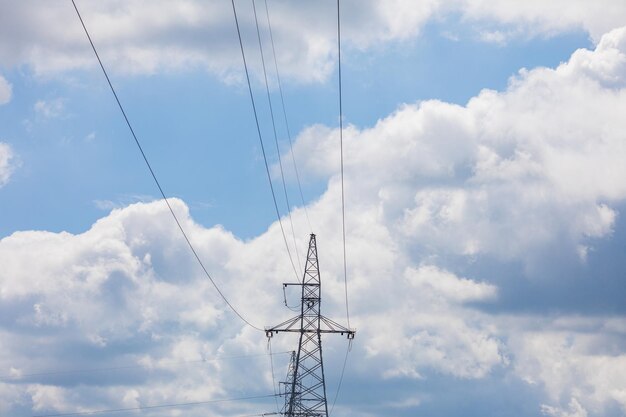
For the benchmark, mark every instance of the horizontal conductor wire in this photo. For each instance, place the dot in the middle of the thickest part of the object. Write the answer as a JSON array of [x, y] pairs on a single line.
[[18, 377], [153, 407], [154, 177]]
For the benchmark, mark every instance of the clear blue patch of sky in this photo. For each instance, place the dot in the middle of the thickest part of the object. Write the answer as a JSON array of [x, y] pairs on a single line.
[[434, 66]]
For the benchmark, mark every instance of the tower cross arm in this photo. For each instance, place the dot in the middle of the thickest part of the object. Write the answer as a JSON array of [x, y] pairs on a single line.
[[291, 325], [326, 326], [331, 326]]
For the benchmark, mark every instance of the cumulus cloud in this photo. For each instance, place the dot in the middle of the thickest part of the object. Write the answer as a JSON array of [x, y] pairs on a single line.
[[431, 330], [149, 36], [576, 359], [508, 173], [6, 91], [504, 175], [154, 36], [129, 287], [534, 17]]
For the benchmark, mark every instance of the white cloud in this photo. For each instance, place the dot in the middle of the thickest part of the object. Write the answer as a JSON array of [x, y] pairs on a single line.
[[429, 329], [442, 284], [6, 91], [155, 36], [507, 174], [577, 360], [535, 16], [128, 281], [131, 280], [7, 163], [152, 36]]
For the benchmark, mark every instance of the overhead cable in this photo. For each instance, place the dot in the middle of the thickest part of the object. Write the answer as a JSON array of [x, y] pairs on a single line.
[[258, 128], [343, 204], [282, 100], [153, 407], [269, 348], [280, 162], [154, 177], [17, 377], [343, 371], [343, 209]]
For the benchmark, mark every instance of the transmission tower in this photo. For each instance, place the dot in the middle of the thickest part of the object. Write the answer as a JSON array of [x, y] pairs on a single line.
[[305, 388]]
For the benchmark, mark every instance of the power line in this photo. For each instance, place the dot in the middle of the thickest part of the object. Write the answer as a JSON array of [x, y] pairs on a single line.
[[152, 407], [9, 378], [145, 158], [343, 204], [269, 348], [258, 128], [282, 100], [295, 309], [343, 209], [343, 370], [280, 163]]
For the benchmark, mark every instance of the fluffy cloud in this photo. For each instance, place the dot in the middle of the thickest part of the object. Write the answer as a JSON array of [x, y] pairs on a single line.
[[126, 289], [6, 163], [507, 174], [534, 16], [5, 91], [578, 360], [512, 174], [152, 36], [430, 329]]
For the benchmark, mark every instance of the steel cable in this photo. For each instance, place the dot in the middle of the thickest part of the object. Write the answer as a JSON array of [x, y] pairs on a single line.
[[154, 177], [258, 128], [153, 407], [282, 100], [280, 162]]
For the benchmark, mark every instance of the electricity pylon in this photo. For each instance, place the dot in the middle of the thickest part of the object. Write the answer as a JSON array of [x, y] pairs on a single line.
[[305, 388], [286, 388]]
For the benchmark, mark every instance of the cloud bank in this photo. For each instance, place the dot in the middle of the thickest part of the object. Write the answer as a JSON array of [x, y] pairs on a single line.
[[511, 175], [144, 37]]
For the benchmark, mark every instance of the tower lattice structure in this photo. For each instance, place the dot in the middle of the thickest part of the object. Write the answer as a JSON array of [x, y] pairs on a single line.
[[305, 388]]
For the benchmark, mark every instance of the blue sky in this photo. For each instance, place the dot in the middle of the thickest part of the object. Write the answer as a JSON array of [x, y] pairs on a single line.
[[484, 155]]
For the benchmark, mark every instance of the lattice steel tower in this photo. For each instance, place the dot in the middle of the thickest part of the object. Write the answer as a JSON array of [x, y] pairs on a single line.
[[305, 389]]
